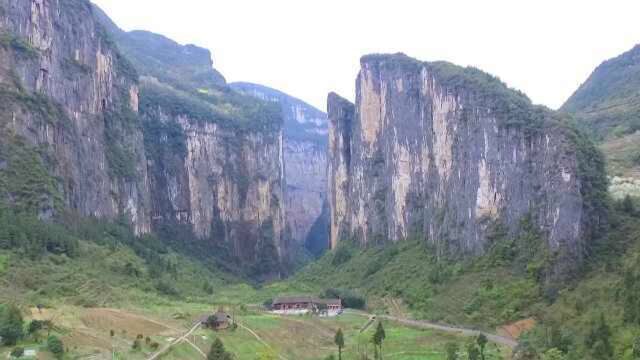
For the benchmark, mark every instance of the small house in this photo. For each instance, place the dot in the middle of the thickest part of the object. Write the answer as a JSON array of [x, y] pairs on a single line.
[[218, 321]]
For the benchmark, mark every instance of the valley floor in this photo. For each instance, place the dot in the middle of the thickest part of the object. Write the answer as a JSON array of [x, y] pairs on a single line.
[[105, 333]]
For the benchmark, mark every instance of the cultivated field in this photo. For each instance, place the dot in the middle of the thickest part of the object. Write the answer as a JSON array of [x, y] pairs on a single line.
[[103, 333]]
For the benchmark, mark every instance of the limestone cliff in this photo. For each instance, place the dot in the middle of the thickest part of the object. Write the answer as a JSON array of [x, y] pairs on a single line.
[[215, 155], [436, 151], [222, 176], [109, 124], [305, 163], [67, 92]]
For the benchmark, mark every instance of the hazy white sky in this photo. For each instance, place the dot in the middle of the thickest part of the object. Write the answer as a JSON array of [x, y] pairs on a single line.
[[545, 48]]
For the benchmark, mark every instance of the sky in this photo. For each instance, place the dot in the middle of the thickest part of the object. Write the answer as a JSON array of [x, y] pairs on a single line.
[[545, 48]]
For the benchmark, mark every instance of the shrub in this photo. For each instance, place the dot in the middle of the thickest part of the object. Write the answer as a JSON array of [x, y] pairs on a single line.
[[341, 255], [167, 288], [34, 326], [11, 325], [350, 298], [451, 349], [55, 345], [17, 352]]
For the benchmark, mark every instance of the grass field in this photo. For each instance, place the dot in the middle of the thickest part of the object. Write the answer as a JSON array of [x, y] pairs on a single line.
[[308, 337], [88, 332]]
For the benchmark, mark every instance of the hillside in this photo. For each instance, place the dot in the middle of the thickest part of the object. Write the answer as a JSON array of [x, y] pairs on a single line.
[[608, 102], [607, 105]]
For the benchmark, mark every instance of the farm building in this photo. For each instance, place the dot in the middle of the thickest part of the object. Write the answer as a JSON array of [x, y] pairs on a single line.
[[298, 305], [218, 321]]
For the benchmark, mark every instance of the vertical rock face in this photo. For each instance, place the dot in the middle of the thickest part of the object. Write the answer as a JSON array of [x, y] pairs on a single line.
[[341, 116], [226, 185], [176, 150], [305, 161], [68, 92], [435, 151], [215, 155]]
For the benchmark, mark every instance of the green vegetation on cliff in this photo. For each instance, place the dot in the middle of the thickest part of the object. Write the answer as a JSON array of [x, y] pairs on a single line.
[[25, 181], [512, 107], [223, 107], [608, 103], [607, 107]]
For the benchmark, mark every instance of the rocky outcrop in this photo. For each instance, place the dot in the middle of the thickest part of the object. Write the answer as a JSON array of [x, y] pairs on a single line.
[[133, 124], [215, 156], [305, 163], [69, 93], [225, 182], [435, 151]]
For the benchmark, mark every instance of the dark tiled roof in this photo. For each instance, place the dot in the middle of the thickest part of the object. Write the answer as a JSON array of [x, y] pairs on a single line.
[[221, 317], [292, 300], [305, 299], [330, 301]]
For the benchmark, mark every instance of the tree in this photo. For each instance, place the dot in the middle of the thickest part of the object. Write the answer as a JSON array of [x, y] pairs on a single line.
[[628, 206], [451, 349], [378, 338], [218, 352], [339, 341], [472, 351], [599, 340], [553, 354], [17, 352], [525, 351], [34, 326], [482, 342], [11, 325], [636, 348], [137, 345], [55, 345]]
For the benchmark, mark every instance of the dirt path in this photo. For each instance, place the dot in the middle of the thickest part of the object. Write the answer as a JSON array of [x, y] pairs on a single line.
[[176, 341], [257, 338], [197, 348], [502, 340], [368, 324]]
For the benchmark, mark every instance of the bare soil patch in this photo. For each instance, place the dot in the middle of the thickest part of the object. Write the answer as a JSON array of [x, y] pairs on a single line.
[[123, 323], [514, 330]]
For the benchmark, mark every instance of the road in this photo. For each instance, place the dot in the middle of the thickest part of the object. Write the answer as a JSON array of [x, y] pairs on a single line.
[[502, 340]]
